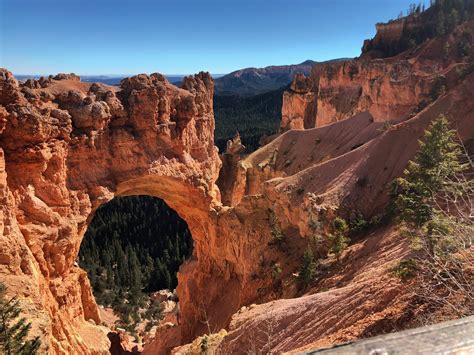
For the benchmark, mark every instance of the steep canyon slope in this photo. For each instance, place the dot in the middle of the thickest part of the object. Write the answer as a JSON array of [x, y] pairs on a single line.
[[356, 130], [69, 146]]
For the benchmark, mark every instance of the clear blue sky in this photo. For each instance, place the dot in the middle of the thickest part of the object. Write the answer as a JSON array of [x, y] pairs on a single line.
[[182, 36]]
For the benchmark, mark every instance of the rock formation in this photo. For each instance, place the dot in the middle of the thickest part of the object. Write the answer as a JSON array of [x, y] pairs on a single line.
[[69, 146], [298, 108], [343, 168], [230, 162], [391, 35], [391, 89]]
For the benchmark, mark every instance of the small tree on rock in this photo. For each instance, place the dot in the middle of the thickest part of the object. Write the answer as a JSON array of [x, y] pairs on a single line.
[[339, 240], [308, 268], [14, 331], [414, 194], [433, 202]]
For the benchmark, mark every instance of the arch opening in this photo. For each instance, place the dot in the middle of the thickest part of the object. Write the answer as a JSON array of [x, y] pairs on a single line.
[[132, 250]]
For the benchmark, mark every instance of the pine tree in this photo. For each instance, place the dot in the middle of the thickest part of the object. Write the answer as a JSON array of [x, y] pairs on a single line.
[[437, 158], [167, 279], [453, 20], [414, 194], [308, 268], [338, 239], [14, 331], [133, 245], [440, 25], [135, 281]]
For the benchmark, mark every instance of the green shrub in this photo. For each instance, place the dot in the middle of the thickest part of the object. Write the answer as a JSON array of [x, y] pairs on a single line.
[[154, 312], [314, 224], [338, 239], [405, 269], [276, 271], [439, 87], [387, 125], [358, 225], [14, 330], [308, 268], [278, 238]]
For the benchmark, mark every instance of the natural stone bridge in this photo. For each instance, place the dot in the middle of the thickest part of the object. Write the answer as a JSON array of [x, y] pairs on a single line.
[[69, 146]]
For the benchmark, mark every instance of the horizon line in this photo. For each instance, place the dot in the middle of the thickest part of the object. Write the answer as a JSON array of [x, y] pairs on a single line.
[[112, 75]]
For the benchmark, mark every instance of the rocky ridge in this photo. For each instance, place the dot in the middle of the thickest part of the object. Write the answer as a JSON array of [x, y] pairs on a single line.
[[392, 89]]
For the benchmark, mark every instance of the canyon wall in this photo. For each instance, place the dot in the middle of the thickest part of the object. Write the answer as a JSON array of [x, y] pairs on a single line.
[[344, 169], [392, 89], [304, 178], [69, 146]]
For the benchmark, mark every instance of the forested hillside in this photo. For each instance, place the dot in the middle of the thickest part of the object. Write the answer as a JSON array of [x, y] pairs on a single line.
[[133, 246], [252, 117]]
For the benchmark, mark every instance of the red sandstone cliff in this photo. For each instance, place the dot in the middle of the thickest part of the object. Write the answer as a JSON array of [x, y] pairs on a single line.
[[345, 165], [68, 146], [391, 89]]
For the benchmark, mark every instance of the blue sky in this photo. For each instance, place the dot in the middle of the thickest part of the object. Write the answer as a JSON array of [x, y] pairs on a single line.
[[182, 36]]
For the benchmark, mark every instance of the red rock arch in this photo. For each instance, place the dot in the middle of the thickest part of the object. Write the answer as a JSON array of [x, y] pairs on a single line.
[[66, 148]]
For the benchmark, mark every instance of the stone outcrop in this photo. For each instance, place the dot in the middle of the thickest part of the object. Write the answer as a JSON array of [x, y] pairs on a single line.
[[298, 110], [391, 35], [392, 89], [230, 167], [68, 147]]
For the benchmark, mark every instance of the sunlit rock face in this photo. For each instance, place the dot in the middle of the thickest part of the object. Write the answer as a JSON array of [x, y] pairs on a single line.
[[391, 89], [69, 146], [336, 155]]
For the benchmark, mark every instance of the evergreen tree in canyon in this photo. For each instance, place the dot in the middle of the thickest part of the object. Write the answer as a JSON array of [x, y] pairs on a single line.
[[133, 246], [437, 159], [433, 203], [13, 329]]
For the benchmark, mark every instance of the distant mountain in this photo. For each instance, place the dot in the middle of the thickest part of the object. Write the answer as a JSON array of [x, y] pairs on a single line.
[[113, 79], [253, 81], [105, 79]]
